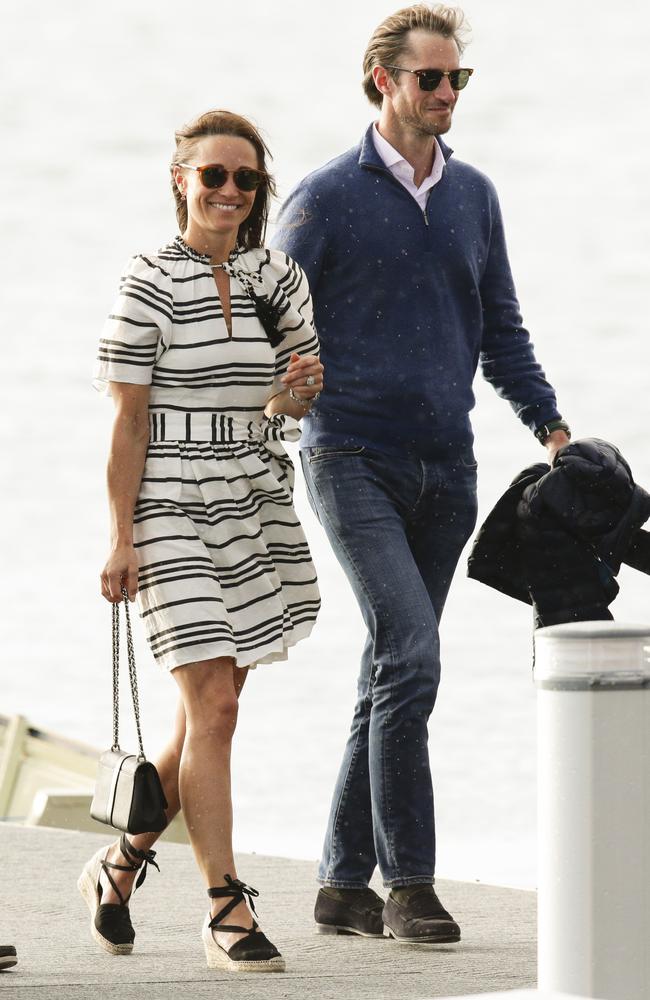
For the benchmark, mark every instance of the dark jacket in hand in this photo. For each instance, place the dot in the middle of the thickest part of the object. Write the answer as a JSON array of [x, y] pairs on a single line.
[[557, 537]]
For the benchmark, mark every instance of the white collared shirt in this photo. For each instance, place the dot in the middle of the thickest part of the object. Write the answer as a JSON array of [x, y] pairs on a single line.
[[402, 170]]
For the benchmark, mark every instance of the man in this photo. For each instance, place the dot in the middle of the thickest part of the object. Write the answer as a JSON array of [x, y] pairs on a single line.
[[404, 249]]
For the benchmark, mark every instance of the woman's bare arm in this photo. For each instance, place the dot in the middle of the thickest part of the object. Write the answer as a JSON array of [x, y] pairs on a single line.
[[125, 465]]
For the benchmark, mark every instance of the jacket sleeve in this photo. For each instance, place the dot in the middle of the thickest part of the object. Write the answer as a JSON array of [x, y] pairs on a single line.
[[302, 232], [507, 357]]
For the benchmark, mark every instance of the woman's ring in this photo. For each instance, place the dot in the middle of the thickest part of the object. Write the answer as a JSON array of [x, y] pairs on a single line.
[[310, 380]]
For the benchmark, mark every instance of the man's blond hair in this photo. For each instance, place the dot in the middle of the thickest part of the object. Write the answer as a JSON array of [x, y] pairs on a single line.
[[390, 39]]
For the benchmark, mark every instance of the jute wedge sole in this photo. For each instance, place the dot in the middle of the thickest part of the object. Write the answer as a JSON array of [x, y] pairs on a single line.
[[341, 929], [87, 885], [217, 958]]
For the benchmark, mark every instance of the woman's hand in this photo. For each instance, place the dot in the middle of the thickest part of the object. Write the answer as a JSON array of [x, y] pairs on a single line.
[[121, 569], [300, 369]]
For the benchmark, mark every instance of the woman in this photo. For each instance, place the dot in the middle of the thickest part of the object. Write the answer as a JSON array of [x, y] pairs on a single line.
[[211, 358]]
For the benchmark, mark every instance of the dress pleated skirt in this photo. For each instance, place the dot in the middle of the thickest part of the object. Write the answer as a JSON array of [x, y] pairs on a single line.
[[224, 567]]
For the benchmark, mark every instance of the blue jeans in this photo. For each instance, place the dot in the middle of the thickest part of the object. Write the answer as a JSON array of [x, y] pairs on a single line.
[[397, 526]]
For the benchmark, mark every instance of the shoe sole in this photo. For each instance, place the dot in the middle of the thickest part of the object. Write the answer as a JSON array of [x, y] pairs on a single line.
[[425, 939], [87, 886], [346, 931], [217, 958], [8, 963], [221, 961]]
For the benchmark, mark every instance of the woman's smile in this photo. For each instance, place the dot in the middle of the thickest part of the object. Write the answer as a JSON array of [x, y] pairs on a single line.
[[224, 205]]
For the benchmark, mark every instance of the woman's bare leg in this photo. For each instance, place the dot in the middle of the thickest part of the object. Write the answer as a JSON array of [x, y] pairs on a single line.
[[210, 696], [168, 765], [239, 675]]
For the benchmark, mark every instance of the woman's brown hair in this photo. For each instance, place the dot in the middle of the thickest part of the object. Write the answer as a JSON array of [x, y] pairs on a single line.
[[252, 230]]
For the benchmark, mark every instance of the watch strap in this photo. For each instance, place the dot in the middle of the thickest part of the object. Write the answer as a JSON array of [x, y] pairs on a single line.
[[547, 429]]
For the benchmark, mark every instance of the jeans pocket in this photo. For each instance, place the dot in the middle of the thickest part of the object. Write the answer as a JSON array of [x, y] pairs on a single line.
[[332, 451]]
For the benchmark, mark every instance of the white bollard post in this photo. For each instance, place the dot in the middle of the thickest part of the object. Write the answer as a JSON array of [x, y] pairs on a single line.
[[593, 681]]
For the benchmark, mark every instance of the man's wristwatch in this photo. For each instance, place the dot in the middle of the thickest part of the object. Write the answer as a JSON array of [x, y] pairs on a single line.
[[553, 425]]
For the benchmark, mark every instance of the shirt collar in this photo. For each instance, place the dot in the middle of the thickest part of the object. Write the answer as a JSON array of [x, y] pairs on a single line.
[[391, 156], [369, 155]]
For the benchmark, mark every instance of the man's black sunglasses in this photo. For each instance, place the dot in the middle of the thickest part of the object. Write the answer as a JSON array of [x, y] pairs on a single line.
[[429, 79]]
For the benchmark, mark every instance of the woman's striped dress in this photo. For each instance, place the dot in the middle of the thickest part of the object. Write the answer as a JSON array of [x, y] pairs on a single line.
[[224, 566]]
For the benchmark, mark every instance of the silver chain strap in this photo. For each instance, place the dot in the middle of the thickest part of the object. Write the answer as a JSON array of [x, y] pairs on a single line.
[[132, 674]]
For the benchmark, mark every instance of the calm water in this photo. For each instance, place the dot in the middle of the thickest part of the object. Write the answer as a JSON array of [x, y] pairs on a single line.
[[556, 115]]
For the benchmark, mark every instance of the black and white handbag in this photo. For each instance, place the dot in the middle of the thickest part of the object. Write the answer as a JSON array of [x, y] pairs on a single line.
[[128, 793]]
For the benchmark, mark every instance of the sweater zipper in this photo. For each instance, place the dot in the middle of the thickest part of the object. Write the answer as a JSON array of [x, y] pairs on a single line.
[[426, 206]]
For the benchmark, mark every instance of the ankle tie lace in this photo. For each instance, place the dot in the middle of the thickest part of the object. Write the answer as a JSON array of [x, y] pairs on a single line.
[[239, 893], [134, 854]]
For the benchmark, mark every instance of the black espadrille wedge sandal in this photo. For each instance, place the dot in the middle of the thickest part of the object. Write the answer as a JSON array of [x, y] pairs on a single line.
[[110, 923], [253, 953], [8, 957]]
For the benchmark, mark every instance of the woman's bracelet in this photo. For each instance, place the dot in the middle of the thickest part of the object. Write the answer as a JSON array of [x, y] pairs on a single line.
[[306, 403]]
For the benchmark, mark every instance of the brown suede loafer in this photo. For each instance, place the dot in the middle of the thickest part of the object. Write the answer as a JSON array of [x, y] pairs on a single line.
[[414, 915], [349, 911]]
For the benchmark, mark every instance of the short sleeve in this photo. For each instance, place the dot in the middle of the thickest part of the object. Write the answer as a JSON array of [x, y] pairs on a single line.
[[297, 323], [138, 327]]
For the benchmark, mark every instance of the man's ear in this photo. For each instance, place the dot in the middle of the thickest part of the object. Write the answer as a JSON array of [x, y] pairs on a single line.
[[382, 80]]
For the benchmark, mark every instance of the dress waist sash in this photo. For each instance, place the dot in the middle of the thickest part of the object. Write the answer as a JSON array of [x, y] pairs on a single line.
[[218, 428]]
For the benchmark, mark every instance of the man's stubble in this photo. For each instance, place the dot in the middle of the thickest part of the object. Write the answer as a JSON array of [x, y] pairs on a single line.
[[422, 127]]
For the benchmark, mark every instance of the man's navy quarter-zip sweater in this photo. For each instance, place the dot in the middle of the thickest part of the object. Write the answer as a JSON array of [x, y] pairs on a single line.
[[407, 304]]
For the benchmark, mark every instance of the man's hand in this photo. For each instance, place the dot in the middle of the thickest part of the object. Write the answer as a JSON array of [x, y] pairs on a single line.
[[553, 443]]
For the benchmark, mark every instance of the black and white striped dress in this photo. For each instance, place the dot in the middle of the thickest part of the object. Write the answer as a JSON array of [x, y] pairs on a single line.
[[224, 566]]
